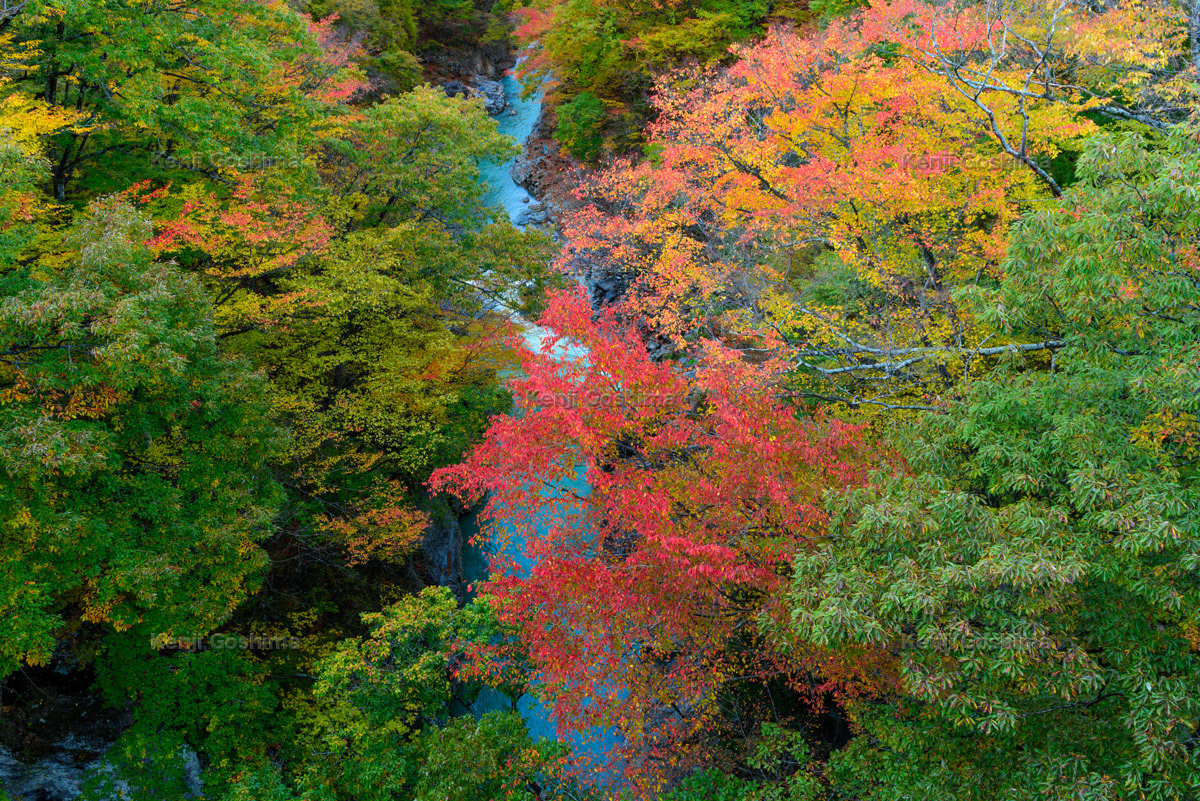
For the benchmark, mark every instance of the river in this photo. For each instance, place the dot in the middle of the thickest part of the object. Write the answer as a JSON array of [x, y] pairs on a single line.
[[504, 192]]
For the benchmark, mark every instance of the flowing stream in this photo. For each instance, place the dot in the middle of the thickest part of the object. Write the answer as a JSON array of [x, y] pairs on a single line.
[[504, 192]]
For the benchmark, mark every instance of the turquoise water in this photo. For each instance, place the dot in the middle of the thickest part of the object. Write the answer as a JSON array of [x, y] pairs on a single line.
[[594, 743], [501, 189], [506, 194]]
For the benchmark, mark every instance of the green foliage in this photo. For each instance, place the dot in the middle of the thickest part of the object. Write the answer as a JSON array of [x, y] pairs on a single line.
[[399, 674], [379, 357], [580, 122], [391, 24], [783, 760], [161, 84], [114, 396], [703, 38], [708, 785], [401, 67], [613, 51], [417, 157], [156, 488], [828, 10], [485, 760], [20, 173], [380, 716], [375, 723], [779, 761], [1036, 571], [215, 702]]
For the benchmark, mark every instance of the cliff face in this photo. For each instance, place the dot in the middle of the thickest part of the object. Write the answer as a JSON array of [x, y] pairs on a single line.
[[440, 558], [456, 57], [451, 60]]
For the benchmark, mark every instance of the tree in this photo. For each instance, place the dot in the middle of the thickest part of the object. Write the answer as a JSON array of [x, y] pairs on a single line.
[[379, 723], [114, 396], [416, 157], [638, 609], [1125, 62], [612, 50], [488, 759], [824, 196], [579, 124], [24, 123], [1032, 563], [818, 200], [161, 500], [369, 311], [202, 698], [200, 87]]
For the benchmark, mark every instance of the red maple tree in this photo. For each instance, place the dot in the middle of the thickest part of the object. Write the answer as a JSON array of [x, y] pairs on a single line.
[[640, 597]]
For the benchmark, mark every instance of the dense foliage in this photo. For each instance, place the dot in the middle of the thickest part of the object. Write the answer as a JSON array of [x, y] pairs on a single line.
[[244, 313], [868, 469], [608, 52], [917, 477]]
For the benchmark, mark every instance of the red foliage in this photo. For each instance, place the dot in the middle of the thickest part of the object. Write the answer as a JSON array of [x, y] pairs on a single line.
[[643, 595], [339, 53]]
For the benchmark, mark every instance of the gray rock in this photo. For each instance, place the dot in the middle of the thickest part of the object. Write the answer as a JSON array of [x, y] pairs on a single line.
[[521, 171], [492, 93], [61, 775], [456, 88], [604, 287], [533, 215], [488, 60], [441, 547]]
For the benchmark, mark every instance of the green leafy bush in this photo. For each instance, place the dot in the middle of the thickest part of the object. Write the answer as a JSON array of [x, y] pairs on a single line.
[[579, 126]]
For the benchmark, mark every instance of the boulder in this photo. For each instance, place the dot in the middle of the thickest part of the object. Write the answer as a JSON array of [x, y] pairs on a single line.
[[533, 215], [456, 88], [492, 93]]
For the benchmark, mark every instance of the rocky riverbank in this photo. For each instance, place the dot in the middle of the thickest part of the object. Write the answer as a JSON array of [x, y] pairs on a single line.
[[470, 71], [545, 171], [551, 176]]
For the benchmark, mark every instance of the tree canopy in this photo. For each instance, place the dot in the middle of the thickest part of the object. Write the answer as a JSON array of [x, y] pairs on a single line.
[[854, 456]]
